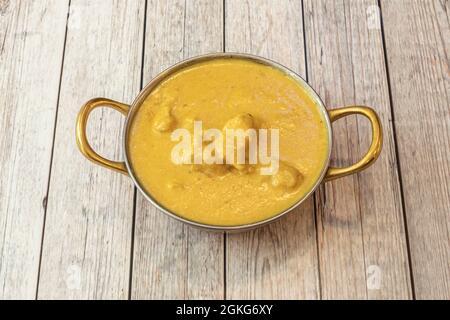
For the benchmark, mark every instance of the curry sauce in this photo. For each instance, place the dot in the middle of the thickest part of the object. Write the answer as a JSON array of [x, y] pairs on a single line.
[[228, 93]]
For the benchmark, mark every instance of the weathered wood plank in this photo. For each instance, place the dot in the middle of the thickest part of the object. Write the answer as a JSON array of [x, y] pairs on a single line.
[[31, 51], [87, 236], [172, 260], [278, 261], [362, 243], [418, 52]]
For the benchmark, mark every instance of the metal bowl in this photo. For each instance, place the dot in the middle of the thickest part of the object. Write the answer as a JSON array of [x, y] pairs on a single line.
[[327, 173]]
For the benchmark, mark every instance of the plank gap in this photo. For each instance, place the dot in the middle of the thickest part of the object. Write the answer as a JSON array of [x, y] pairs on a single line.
[[224, 234], [52, 151], [399, 168], [314, 195]]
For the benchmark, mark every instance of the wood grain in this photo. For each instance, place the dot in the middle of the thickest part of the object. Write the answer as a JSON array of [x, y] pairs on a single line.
[[362, 242], [418, 52], [172, 260], [278, 261], [31, 46], [87, 237], [335, 245]]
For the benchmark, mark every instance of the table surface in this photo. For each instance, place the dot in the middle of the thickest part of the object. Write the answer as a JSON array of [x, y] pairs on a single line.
[[71, 229]]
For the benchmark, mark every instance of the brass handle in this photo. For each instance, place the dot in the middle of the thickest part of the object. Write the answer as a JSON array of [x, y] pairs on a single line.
[[375, 147], [82, 141]]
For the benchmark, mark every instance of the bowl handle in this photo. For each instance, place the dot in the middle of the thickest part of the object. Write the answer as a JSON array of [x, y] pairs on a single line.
[[82, 141], [374, 149]]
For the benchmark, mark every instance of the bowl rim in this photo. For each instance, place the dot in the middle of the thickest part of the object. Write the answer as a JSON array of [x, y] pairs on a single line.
[[207, 57]]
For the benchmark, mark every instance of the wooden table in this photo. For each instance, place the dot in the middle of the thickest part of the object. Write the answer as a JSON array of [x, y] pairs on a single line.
[[70, 229]]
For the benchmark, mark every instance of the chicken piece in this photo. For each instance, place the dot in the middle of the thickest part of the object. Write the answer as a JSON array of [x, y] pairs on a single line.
[[243, 122], [287, 177], [164, 120]]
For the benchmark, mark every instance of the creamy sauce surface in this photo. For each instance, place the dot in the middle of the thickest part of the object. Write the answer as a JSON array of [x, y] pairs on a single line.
[[228, 93]]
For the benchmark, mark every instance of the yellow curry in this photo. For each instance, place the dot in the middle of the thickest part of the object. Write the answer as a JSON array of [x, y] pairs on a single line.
[[228, 93]]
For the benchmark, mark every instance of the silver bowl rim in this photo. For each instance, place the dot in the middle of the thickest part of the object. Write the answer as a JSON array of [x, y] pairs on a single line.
[[206, 57]]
